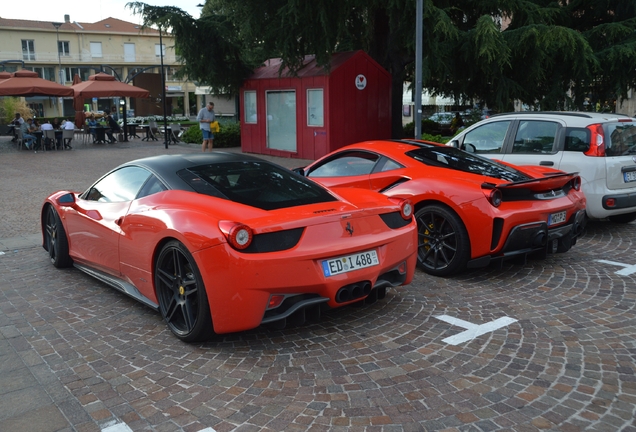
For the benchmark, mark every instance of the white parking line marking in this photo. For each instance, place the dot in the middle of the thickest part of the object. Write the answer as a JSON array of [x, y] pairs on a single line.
[[629, 269], [123, 427], [472, 330], [119, 427]]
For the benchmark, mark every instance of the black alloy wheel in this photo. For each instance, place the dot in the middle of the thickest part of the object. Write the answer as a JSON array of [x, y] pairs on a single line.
[[443, 244], [55, 239], [183, 301]]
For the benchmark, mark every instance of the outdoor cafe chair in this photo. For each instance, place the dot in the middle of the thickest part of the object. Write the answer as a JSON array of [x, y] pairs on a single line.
[[175, 132], [50, 136], [67, 134], [153, 129], [85, 134], [20, 139]]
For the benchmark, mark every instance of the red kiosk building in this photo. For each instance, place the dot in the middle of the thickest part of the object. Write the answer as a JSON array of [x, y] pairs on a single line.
[[317, 111]]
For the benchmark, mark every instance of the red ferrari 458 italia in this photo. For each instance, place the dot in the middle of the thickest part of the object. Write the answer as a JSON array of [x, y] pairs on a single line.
[[228, 242], [469, 209]]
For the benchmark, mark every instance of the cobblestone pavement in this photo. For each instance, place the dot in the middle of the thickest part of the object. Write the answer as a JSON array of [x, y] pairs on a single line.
[[75, 355]]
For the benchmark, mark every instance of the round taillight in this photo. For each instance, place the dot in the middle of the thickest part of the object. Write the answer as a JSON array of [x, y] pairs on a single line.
[[576, 183], [406, 209], [495, 197], [240, 236]]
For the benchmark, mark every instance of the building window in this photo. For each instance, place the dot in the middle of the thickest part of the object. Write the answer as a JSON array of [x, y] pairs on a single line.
[[28, 50], [96, 49], [83, 73], [315, 109], [249, 99], [129, 52], [170, 73], [159, 49], [47, 73], [37, 108], [62, 48]]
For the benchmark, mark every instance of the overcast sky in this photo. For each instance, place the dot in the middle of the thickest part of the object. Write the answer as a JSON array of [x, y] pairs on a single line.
[[87, 10]]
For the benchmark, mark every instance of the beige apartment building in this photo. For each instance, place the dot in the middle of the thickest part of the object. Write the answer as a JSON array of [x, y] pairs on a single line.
[[58, 51]]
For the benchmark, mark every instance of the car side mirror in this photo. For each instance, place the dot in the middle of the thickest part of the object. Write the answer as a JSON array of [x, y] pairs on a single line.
[[299, 171], [66, 200], [454, 143]]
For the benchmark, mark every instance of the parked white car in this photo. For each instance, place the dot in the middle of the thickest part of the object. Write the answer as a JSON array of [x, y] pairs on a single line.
[[601, 147]]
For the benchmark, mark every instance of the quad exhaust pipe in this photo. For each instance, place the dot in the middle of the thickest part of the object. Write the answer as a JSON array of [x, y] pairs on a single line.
[[353, 291]]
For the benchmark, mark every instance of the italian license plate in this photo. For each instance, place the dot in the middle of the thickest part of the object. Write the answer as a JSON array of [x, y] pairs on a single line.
[[350, 263], [629, 176], [556, 218]]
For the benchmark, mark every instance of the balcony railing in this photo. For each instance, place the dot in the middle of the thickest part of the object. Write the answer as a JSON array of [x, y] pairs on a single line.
[[86, 57]]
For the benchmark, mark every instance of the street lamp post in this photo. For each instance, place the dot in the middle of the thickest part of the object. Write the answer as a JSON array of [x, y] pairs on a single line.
[[57, 26], [417, 112], [163, 92]]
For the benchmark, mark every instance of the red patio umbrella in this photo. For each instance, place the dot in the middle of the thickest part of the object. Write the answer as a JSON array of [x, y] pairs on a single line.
[[28, 83], [104, 85]]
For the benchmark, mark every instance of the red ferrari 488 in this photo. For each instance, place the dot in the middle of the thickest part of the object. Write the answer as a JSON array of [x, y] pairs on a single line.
[[470, 210], [228, 242]]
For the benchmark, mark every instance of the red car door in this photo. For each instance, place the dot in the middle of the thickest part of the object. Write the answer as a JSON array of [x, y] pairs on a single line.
[[94, 233], [93, 223]]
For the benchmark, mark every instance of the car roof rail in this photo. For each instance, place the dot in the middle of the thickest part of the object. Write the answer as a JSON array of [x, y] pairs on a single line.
[[564, 113]]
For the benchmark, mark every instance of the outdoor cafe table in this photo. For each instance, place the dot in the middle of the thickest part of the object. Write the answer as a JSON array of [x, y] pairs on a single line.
[[148, 136], [132, 130], [100, 134]]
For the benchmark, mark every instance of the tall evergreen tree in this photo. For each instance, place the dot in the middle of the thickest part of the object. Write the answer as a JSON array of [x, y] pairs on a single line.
[[546, 53]]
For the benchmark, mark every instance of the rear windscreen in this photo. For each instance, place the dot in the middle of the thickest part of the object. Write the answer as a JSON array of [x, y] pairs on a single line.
[[620, 138], [255, 183], [455, 159]]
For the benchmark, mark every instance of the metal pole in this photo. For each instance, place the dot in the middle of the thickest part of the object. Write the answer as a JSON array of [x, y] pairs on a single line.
[[417, 118], [57, 26], [163, 94], [125, 121]]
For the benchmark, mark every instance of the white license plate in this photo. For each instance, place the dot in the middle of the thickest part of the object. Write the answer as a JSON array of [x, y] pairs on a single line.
[[629, 176], [350, 263], [557, 218]]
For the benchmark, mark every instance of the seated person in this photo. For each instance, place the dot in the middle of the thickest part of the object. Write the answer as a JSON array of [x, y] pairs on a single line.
[[92, 124], [26, 136], [113, 125], [47, 126], [16, 122], [55, 123]]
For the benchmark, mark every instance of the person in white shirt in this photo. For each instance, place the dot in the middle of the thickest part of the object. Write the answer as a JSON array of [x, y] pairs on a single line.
[[47, 126]]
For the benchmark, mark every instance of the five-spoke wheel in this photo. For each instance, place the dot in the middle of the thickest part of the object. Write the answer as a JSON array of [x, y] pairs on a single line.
[[183, 301], [443, 243], [55, 239]]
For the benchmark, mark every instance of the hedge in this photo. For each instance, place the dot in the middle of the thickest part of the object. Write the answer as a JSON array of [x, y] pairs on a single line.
[[229, 135]]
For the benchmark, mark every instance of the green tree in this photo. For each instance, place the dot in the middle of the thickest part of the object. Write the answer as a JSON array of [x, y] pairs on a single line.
[[494, 51]]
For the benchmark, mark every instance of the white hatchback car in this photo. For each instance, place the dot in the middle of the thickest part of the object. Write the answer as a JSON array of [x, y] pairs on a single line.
[[601, 147]]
